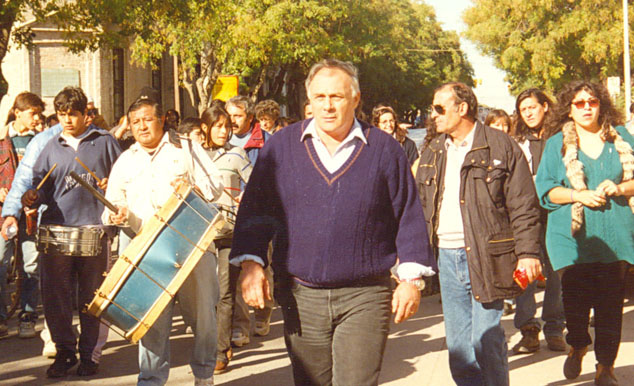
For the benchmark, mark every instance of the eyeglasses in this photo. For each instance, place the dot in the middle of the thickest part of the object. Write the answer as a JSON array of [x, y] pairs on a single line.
[[92, 112], [438, 109], [594, 103]]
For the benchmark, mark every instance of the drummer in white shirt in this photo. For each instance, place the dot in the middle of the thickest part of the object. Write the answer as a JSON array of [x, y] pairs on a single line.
[[142, 179]]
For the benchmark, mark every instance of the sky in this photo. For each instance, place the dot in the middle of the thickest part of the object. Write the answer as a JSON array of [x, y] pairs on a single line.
[[493, 91]]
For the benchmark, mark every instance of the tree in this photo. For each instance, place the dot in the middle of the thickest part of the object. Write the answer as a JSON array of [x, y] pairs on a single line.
[[11, 13], [398, 45], [547, 43]]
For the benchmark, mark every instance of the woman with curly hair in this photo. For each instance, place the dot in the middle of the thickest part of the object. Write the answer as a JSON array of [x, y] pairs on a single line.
[[585, 181], [385, 119]]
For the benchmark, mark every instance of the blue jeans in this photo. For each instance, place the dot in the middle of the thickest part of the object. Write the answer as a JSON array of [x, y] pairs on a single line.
[[475, 337], [29, 295], [336, 336], [197, 300], [552, 311]]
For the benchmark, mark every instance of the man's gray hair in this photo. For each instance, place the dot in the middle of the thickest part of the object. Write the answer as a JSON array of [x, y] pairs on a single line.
[[244, 103], [346, 67]]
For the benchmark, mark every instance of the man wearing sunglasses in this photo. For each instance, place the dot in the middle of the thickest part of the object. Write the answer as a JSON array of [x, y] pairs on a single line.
[[483, 222]]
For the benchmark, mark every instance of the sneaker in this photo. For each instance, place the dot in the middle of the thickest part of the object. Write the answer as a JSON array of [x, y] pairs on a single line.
[[262, 328], [572, 366], [529, 342], [49, 349], [26, 328], [238, 339], [64, 361], [4, 329], [556, 343], [87, 368], [204, 381], [605, 376]]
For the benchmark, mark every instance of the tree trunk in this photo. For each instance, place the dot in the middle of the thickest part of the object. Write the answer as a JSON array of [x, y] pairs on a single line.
[[6, 23]]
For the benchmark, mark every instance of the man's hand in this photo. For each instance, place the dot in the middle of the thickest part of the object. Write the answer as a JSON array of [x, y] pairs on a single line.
[[532, 266], [255, 287], [3, 194], [103, 184], [8, 222], [121, 217], [405, 301], [29, 198]]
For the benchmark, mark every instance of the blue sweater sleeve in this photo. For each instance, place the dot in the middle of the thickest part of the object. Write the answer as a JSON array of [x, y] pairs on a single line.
[[551, 173], [257, 218], [24, 174]]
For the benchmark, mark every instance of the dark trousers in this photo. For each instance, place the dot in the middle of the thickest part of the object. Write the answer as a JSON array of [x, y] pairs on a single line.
[[336, 336], [599, 286], [60, 276], [227, 281]]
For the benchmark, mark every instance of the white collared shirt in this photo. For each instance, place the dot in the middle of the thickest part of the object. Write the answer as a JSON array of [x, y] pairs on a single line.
[[14, 133], [450, 227], [333, 162], [142, 181]]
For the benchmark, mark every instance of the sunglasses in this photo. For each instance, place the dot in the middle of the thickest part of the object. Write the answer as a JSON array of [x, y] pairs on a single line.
[[92, 112], [594, 103], [439, 109]]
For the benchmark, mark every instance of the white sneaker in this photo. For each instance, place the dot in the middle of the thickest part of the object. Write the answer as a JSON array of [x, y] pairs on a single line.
[[204, 381], [49, 349], [238, 339], [262, 328]]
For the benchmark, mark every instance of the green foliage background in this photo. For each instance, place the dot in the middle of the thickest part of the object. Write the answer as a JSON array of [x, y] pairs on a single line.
[[398, 45]]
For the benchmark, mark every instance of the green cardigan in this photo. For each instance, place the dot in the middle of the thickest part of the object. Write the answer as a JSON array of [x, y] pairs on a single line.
[[607, 234]]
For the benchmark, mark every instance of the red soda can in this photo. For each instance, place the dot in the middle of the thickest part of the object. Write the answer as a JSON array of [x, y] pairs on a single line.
[[521, 278]]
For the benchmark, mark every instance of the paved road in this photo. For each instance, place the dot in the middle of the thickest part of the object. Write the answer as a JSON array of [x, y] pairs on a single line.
[[416, 355]]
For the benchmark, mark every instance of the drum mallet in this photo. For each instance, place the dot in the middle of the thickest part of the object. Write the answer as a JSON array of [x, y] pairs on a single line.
[[46, 177], [83, 165], [99, 197]]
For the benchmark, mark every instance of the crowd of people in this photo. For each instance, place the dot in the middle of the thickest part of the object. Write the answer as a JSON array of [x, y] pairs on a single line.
[[337, 220]]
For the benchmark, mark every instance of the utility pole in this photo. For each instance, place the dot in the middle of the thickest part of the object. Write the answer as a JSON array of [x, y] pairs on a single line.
[[626, 60]]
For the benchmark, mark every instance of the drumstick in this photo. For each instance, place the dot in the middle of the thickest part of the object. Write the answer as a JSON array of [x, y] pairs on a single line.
[[229, 194], [101, 198], [94, 192], [46, 177], [83, 165]]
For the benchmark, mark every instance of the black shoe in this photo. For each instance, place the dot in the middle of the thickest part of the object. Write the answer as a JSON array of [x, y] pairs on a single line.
[[64, 361], [87, 368]]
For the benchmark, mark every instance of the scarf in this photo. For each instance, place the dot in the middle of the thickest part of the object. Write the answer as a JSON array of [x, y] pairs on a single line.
[[574, 167]]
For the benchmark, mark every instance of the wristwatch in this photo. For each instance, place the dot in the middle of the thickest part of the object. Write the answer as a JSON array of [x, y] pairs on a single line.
[[419, 283]]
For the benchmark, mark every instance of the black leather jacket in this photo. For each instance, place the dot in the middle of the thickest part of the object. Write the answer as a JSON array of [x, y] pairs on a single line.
[[499, 208]]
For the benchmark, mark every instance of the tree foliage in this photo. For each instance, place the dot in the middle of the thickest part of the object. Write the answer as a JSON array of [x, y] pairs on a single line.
[[399, 47], [547, 43]]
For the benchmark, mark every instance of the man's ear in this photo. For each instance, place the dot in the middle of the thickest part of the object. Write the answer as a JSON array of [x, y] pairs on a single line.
[[463, 109]]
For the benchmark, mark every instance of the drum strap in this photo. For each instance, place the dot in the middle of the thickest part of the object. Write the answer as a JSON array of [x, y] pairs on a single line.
[[191, 156]]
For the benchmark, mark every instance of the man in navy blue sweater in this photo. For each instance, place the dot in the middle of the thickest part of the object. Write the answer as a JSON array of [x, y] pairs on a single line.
[[73, 208], [338, 200]]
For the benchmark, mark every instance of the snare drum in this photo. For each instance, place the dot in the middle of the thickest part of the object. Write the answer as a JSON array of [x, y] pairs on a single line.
[[69, 241], [155, 264]]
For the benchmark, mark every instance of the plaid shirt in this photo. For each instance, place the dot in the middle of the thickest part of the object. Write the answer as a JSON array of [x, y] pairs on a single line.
[[8, 164]]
